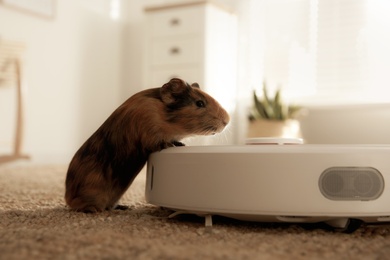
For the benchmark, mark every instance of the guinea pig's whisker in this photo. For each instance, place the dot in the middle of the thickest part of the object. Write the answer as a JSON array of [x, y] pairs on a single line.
[[210, 129]]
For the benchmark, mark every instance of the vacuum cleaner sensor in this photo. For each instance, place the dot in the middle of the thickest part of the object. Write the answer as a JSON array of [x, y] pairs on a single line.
[[274, 183]]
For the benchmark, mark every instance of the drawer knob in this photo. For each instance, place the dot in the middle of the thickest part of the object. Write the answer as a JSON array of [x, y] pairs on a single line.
[[174, 50], [175, 22]]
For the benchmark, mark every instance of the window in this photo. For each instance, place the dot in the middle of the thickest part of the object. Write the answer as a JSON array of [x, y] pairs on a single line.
[[327, 51]]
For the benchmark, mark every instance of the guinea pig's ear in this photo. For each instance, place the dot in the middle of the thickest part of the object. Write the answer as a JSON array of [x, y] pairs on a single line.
[[195, 85], [171, 90]]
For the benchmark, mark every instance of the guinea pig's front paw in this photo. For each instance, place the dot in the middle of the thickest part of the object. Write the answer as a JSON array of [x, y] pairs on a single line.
[[166, 145], [177, 143], [171, 144]]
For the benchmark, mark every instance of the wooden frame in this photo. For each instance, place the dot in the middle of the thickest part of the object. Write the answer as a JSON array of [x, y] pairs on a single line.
[[43, 8], [11, 52]]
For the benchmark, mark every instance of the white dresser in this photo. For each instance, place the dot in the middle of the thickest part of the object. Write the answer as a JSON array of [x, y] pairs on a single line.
[[195, 41]]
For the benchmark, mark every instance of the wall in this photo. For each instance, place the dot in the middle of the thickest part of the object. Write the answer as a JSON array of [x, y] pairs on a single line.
[[80, 66], [72, 74]]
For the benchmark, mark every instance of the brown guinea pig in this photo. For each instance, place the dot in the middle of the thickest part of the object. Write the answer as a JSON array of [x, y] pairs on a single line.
[[107, 163]]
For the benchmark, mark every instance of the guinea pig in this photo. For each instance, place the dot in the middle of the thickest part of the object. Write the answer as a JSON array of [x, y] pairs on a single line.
[[107, 163]]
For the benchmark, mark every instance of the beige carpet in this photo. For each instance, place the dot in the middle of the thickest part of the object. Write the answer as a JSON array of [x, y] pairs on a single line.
[[35, 224]]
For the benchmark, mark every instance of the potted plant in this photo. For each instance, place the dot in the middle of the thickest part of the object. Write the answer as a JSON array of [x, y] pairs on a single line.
[[270, 117]]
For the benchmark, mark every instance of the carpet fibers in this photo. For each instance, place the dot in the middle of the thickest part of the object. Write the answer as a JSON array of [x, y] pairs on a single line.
[[36, 224]]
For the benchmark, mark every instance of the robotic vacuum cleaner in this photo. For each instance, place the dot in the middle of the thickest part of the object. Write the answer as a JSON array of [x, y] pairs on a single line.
[[274, 180]]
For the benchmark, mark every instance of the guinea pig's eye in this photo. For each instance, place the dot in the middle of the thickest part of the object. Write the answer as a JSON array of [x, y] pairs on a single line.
[[200, 103]]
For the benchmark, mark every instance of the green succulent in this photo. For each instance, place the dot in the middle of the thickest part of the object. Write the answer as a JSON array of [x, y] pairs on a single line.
[[271, 108]]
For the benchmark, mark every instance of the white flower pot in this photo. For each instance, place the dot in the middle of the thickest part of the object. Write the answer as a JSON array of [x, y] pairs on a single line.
[[289, 128]]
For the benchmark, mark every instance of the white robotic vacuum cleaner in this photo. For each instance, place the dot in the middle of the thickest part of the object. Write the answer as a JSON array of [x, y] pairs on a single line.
[[274, 180]]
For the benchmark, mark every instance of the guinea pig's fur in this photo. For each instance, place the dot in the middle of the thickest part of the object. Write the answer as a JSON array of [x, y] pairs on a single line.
[[107, 163]]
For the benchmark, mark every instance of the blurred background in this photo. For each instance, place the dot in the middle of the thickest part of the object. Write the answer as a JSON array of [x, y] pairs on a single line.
[[80, 59]]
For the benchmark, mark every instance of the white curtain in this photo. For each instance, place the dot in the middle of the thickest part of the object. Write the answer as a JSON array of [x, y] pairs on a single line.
[[316, 48]]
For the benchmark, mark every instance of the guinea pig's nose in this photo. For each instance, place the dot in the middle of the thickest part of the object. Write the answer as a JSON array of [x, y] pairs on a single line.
[[226, 120]]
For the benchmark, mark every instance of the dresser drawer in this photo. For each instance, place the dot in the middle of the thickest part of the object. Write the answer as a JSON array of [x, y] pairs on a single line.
[[176, 21], [160, 76], [176, 50]]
